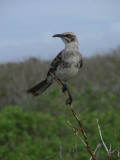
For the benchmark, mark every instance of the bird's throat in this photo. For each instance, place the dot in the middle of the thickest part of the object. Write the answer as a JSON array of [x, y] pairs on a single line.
[[73, 46]]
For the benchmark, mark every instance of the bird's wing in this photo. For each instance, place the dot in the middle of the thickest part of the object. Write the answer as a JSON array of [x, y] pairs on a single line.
[[56, 62], [81, 60], [81, 63]]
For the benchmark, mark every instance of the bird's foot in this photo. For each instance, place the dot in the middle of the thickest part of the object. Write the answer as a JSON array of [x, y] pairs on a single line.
[[69, 100], [64, 89]]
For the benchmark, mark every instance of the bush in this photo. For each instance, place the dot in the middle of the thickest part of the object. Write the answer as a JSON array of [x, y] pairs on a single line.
[[33, 135]]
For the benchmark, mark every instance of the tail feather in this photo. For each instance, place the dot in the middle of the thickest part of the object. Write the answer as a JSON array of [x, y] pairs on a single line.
[[39, 88]]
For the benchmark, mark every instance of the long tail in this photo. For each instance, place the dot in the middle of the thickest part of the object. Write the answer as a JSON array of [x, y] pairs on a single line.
[[39, 88]]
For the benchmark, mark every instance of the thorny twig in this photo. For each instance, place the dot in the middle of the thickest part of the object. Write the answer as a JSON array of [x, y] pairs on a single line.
[[109, 151], [98, 146], [83, 132], [102, 138], [78, 121], [74, 129]]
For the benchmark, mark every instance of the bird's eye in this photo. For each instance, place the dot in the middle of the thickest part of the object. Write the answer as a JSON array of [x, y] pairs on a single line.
[[68, 36]]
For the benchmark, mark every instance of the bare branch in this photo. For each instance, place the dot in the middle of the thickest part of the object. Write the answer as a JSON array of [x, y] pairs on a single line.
[[78, 121], [109, 151], [98, 146], [83, 132], [74, 129], [102, 138], [110, 147], [60, 152]]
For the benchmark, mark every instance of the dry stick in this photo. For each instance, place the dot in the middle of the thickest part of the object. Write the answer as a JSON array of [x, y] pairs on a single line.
[[98, 146], [102, 138], [60, 152], [74, 129], [83, 132], [78, 120], [74, 141], [109, 152]]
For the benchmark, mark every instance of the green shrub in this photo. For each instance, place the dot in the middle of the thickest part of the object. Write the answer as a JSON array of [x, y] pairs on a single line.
[[34, 135]]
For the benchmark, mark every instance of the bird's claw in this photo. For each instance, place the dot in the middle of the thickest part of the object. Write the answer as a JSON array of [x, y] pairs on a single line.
[[64, 89], [69, 101]]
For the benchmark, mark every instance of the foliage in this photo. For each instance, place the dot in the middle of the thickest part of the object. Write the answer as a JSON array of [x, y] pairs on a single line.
[[33, 135]]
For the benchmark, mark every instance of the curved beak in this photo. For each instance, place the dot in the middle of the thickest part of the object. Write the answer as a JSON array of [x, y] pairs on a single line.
[[58, 35]]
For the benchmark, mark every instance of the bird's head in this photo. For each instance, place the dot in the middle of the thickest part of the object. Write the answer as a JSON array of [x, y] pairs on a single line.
[[67, 37]]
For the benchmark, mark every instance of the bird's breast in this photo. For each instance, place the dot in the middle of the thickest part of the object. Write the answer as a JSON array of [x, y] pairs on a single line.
[[66, 71], [68, 67]]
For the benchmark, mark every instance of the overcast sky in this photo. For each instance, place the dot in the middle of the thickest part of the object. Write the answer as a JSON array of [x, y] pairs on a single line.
[[27, 26]]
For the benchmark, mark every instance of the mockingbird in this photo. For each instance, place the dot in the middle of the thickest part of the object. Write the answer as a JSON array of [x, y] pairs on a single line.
[[65, 66]]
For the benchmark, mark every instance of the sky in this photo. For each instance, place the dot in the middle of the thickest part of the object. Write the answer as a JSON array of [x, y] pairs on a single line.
[[27, 27]]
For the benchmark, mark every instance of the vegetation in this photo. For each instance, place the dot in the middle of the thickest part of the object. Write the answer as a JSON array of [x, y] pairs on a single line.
[[33, 135], [33, 128]]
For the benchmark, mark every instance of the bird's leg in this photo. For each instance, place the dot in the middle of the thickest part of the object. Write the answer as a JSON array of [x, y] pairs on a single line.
[[65, 89]]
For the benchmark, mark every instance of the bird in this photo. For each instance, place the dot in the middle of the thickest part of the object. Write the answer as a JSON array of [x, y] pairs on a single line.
[[65, 66]]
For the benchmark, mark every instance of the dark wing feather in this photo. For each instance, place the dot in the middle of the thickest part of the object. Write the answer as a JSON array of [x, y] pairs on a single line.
[[81, 63], [56, 62]]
